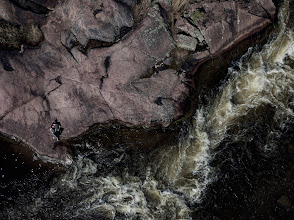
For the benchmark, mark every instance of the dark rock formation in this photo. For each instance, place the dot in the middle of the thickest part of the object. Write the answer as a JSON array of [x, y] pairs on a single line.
[[84, 62]]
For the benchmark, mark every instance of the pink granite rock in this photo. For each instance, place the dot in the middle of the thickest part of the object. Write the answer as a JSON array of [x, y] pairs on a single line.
[[83, 89], [94, 67]]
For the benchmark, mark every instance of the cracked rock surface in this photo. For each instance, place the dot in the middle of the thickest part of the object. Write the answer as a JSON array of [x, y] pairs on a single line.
[[91, 65]]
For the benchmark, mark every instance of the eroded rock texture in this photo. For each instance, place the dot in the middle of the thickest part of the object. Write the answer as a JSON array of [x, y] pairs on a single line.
[[84, 62]]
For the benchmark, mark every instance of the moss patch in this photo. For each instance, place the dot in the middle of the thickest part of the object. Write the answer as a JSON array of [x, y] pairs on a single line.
[[140, 10], [197, 15], [13, 36]]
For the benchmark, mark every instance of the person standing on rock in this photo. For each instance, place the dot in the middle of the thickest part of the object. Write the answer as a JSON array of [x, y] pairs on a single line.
[[56, 130]]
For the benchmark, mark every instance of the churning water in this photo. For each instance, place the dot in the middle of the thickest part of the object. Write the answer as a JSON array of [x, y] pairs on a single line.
[[168, 181]]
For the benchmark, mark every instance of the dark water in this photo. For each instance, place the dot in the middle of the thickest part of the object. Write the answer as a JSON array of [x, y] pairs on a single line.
[[252, 184], [22, 174], [233, 160]]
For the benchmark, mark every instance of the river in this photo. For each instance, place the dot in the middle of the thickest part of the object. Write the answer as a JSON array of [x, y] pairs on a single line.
[[252, 111]]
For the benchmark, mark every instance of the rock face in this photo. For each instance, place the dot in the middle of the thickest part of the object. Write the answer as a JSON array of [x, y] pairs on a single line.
[[224, 24], [89, 64]]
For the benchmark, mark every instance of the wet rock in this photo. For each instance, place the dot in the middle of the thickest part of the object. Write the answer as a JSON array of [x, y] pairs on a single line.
[[85, 62]]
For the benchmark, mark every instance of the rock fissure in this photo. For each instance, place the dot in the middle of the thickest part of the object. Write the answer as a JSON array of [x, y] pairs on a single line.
[[14, 108], [47, 103], [95, 44], [58, 80], [31, 6], [97, 11], [52, 90], [69, 51], [106, 66], [124, 4], [269, 15], [5, 62], [188, 85], [110, 109], [184, 33]]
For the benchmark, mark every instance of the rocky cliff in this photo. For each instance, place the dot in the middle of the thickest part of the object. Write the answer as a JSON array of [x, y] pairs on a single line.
[[91, 62]]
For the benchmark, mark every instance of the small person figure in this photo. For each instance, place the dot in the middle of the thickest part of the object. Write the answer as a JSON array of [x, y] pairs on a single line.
[[56, 130]]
